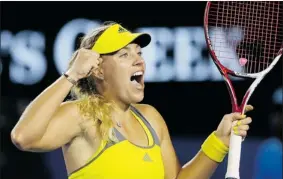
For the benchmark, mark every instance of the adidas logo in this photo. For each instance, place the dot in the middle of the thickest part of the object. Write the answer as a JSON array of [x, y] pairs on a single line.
[[147, 158], [121, 29]]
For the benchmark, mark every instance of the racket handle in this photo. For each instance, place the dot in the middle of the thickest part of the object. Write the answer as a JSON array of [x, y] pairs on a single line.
[[234, 157]]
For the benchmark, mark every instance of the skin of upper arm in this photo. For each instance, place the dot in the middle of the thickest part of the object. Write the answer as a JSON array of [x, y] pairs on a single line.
[[171, 163], [63, 127]]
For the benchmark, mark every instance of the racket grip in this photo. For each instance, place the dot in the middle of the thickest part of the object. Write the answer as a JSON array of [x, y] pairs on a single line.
[[234, 157]]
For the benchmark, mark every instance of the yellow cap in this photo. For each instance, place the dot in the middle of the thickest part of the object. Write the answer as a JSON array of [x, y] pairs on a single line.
[[117, 37]]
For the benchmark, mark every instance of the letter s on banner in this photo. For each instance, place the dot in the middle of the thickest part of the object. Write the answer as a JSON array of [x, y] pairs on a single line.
[[65, 41], [28, 64]]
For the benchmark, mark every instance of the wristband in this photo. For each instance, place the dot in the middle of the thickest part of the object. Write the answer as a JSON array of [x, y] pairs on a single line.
[[74, 82], [214, 148]]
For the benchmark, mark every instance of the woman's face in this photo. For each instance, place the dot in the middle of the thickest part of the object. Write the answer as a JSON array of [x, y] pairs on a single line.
[[123, 75]]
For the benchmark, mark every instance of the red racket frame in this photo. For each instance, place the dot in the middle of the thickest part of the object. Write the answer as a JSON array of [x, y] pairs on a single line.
[[233, 165]]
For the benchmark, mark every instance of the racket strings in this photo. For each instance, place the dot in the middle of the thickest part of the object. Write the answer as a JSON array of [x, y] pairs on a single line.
[[254, 30]]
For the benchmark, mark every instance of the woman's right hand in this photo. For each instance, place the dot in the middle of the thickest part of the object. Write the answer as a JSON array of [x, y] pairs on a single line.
[[85, 62]]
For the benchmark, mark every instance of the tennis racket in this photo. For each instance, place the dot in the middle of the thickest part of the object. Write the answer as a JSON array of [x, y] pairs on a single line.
[[245, 40]]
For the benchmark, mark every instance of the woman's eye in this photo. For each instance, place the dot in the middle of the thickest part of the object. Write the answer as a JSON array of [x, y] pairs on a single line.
[[124, 55], [140, 53]]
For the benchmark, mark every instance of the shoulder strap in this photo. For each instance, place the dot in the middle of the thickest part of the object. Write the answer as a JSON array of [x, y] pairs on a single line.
[[147, 124]]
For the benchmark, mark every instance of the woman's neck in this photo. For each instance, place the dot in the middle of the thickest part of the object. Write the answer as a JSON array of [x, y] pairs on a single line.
[[121, 114]]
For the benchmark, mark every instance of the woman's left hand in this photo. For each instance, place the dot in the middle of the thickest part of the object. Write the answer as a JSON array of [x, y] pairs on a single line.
[[242, 126]]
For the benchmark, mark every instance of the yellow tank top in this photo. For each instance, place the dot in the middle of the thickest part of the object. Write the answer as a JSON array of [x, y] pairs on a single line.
[[125, 160]]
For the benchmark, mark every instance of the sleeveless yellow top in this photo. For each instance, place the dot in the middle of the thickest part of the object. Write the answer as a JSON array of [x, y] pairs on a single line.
[[125, 160]]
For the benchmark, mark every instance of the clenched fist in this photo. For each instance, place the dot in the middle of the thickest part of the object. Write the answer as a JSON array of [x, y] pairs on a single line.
[[84, 63]]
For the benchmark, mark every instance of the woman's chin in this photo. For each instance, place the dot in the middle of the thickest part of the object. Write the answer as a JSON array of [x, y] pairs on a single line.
[[137, 97]]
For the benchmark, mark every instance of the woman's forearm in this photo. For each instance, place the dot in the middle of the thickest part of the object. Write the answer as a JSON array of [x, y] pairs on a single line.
[[203, 165], [200, 167]]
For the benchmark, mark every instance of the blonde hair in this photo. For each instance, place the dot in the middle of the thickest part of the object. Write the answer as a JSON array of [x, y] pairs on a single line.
[[92, 105]]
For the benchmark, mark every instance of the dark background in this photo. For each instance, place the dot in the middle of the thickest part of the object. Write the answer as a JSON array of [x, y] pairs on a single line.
[[192, 109]]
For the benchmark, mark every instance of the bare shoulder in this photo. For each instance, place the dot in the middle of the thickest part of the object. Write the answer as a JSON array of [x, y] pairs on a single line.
[[70, 106], [149, 110], [69, 110], [153, 116]]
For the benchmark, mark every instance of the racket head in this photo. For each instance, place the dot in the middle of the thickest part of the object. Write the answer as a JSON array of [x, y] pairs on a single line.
[[244, 38]]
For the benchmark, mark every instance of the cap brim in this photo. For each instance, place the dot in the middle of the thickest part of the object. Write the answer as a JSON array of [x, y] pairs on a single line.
[[142, 39]]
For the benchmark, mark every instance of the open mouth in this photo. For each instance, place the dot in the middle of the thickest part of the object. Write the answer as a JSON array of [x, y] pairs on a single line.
[[136, 78]]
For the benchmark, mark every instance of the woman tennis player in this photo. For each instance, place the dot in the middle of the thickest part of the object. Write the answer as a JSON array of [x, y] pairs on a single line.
[[104, 132]]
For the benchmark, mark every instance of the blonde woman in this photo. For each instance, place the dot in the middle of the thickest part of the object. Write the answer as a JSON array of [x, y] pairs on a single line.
[[104, 132]]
